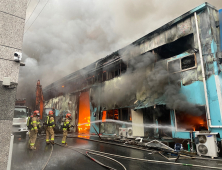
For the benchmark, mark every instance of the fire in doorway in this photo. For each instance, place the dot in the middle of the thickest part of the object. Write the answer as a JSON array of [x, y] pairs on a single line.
[[84, 113]]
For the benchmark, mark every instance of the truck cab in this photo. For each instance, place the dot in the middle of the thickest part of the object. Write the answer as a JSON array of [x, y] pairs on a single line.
[[19, 127]]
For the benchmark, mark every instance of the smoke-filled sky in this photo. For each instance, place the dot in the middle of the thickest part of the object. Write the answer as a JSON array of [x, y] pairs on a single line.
[[70, 34]]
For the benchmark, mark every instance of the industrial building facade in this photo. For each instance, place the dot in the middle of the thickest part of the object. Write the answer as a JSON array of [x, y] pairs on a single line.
[[166, 83]]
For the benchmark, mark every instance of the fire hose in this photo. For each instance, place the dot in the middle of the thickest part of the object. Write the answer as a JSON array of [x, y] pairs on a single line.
[[139, 148], [87, 155], [146, 160], [48, 158], [88, 151]]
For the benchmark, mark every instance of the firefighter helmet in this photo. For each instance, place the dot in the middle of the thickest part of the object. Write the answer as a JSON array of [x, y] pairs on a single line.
[[50, 112], [36, 113], [68, 115]]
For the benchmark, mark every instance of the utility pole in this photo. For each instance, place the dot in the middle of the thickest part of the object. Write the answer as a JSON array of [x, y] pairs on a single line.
[[12, 22]]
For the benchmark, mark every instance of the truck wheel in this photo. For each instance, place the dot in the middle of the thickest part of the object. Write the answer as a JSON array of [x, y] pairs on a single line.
[[23, 135]]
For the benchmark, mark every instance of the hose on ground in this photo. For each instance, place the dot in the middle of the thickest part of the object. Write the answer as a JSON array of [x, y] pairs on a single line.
[[139, 148], [48, 158], [150, 161], [107, 158], [137, 159], [87, 154]]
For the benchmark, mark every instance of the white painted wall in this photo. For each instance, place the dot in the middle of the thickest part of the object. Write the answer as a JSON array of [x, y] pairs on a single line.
[[137, 118]]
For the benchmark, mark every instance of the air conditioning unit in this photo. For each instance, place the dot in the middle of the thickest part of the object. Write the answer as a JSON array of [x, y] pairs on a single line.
[[122, 132], [129, 132], [207, 145]]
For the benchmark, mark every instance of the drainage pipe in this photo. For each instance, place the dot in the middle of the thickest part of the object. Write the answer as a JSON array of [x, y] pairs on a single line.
[[204, 77]]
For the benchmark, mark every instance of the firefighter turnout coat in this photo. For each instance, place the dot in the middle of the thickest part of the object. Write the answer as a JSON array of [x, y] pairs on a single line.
[[66, 126], [50, 129]]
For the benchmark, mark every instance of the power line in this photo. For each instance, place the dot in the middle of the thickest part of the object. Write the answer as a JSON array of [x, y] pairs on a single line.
[[32, 12], [28, 4], [36, 17]]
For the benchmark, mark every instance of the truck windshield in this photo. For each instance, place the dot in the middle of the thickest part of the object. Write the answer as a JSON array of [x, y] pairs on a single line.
[[20, 113]]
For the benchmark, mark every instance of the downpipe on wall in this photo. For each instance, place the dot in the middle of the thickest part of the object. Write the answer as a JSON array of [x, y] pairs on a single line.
[[204, 77]]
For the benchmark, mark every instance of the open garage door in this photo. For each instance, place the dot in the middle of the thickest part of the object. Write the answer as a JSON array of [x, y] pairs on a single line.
[[84, 113]]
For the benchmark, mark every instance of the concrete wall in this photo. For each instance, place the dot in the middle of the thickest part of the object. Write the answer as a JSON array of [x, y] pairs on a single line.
[[12, 22]]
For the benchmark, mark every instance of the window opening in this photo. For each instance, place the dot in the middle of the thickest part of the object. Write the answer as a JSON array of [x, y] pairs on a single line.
[[125, 115], [104, 76], [189, 122], [182, 64], [177, 47], [110, 114], [116, 114], [188, 62]]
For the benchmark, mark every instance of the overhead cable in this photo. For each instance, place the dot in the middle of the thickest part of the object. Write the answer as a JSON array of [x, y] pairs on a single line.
[[28, 4], [32, 12], [36, 17]]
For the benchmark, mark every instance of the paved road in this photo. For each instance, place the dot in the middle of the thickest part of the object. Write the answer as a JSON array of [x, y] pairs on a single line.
[[65, 159]]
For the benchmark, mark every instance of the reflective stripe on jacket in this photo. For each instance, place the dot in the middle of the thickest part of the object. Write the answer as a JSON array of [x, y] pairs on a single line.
[[34, 123], [66, 124], [50, 121]]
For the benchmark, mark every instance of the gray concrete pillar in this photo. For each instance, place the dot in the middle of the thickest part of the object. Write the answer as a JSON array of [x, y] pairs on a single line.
[[12, 22]]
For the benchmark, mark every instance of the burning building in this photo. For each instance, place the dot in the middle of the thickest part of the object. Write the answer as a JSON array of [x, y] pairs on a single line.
[[164, 84]]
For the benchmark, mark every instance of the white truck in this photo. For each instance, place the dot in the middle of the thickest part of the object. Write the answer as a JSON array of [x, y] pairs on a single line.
[[19, 127]]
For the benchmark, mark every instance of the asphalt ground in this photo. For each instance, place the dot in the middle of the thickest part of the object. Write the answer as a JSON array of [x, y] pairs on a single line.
[[63, 158]]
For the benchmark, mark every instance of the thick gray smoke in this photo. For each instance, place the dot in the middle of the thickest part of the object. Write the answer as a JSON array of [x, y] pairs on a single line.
[[145, 75], [69, 35]]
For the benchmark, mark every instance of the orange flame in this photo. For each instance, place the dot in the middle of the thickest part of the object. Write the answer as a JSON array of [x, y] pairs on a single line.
[[190, 122], [84, 113]]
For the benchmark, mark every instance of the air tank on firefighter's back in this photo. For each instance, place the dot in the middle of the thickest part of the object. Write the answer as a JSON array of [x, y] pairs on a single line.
[[56, 117]]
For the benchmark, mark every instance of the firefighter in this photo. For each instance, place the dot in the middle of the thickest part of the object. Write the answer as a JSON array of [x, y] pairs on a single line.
[[34, 130], [50, 127], [66, 126], [39, 124], [29, 126]]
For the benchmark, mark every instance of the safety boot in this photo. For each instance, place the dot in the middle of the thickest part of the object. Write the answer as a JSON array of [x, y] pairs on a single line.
[[52, 142], [32, 148]]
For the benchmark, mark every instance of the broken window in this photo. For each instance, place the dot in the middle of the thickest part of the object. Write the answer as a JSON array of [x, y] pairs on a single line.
[[157, 115], [117, 73], [188, 62], [123, 68], [109, 114], [116, 114], [190, 122], [99, 78], [125, 114], [176, 47], [181, 64], [104, 76]]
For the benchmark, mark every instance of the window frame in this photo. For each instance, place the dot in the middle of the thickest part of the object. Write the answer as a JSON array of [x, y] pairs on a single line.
[[181, 70], [175, 120]]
